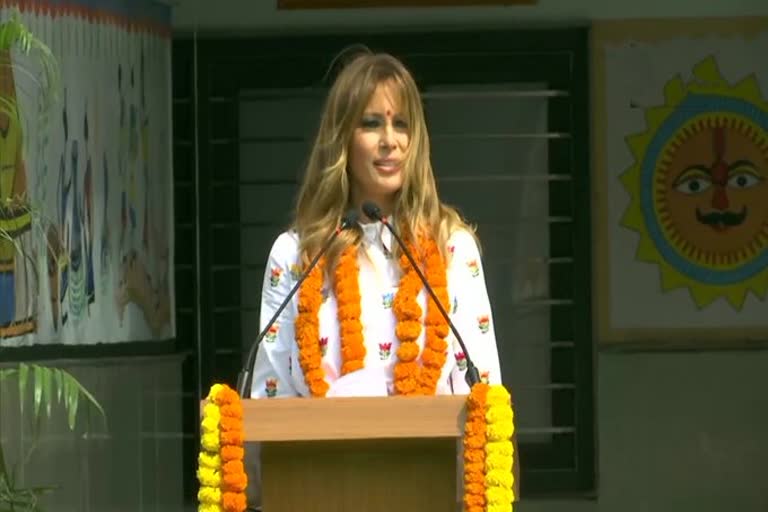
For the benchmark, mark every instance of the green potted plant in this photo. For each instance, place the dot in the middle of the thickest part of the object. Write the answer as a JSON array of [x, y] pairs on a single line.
[[50, 387]]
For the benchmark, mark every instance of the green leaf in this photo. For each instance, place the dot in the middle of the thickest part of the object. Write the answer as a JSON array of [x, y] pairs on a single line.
[[38, 390], [70, 389], [59, 382], [14, 34], [71, 398], [47, 392], [49, 384], [91, 399], [23, 372]]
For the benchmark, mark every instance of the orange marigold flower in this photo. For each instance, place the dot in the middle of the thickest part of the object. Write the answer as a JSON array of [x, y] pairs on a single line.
[[474, 467], [354, 350], [430, 358], [237, 482], [230, 452], [478, 396], [405, 386], [233, 502], [229, 424], [406, 370], [233, 437], [352, 366], [318, 388], [474, 456], [316, 374], [233, 467], [474, 442], [233, 410], [408, 330], [227, 396], [408, 351], [474, 487], [475, 429]]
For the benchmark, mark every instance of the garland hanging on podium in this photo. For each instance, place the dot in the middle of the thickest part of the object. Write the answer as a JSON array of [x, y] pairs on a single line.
[[221, 472], [488, 451]]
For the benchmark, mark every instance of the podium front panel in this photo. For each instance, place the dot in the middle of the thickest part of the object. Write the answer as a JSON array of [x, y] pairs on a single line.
[[382, 475]]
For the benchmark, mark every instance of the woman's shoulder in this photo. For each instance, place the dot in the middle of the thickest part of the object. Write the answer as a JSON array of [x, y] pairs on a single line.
[[286, 245], [464, 239]]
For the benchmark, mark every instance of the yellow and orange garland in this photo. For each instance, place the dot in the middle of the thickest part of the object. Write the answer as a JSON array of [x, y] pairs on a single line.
[[488, 447], [488, 450], [221, 472]]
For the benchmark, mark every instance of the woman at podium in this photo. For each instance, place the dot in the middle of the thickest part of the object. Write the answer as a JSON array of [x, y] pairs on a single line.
[[363, 322]]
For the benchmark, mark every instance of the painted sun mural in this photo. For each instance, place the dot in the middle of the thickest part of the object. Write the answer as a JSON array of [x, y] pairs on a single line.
[[699, 187]]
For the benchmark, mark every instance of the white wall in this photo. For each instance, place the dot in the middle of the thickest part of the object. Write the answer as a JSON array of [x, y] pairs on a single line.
[[262, 16]]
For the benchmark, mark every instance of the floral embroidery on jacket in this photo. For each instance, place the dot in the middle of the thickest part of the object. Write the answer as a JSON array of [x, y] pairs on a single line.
[[270, 387], [483, 323], [385, 349], [274, 278], [461, 360], [272, 332]]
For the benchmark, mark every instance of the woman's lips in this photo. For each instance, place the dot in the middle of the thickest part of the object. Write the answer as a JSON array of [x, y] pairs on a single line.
[[387, 165]]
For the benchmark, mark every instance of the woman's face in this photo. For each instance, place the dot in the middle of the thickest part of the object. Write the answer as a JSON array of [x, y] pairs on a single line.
[[377, 150]]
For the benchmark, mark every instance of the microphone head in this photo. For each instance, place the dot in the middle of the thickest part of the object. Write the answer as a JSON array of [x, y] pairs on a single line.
[[349, 219], [371, 210]]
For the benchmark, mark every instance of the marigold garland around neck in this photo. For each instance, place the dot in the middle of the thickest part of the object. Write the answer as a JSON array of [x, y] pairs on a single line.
[[221, 471], [348, 311], [488, 450], [410, 376], [307, 330]]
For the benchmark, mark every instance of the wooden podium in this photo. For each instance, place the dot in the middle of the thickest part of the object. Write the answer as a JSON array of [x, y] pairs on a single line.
[[383, 454]]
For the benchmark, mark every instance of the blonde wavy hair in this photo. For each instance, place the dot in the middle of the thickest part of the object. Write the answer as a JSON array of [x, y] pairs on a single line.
[[325, 194]]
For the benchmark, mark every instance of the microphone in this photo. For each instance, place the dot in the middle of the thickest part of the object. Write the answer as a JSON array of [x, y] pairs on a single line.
[[245, 377], [372, 211]]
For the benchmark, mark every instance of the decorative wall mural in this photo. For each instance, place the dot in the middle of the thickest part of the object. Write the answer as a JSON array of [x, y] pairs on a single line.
[[699, 189], [86, 180], [681, 182]]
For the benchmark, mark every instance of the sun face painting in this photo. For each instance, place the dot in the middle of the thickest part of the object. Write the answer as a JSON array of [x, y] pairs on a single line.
[[699, 188]]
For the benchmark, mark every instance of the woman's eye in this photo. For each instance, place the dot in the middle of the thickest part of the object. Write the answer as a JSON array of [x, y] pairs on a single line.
[[369, 122]]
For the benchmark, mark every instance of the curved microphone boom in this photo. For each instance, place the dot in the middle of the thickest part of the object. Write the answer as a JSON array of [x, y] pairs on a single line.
[[244, 379], [373, 212]]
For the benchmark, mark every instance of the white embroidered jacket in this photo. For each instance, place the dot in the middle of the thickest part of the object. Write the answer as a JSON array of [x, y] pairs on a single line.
[[277, 372]]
